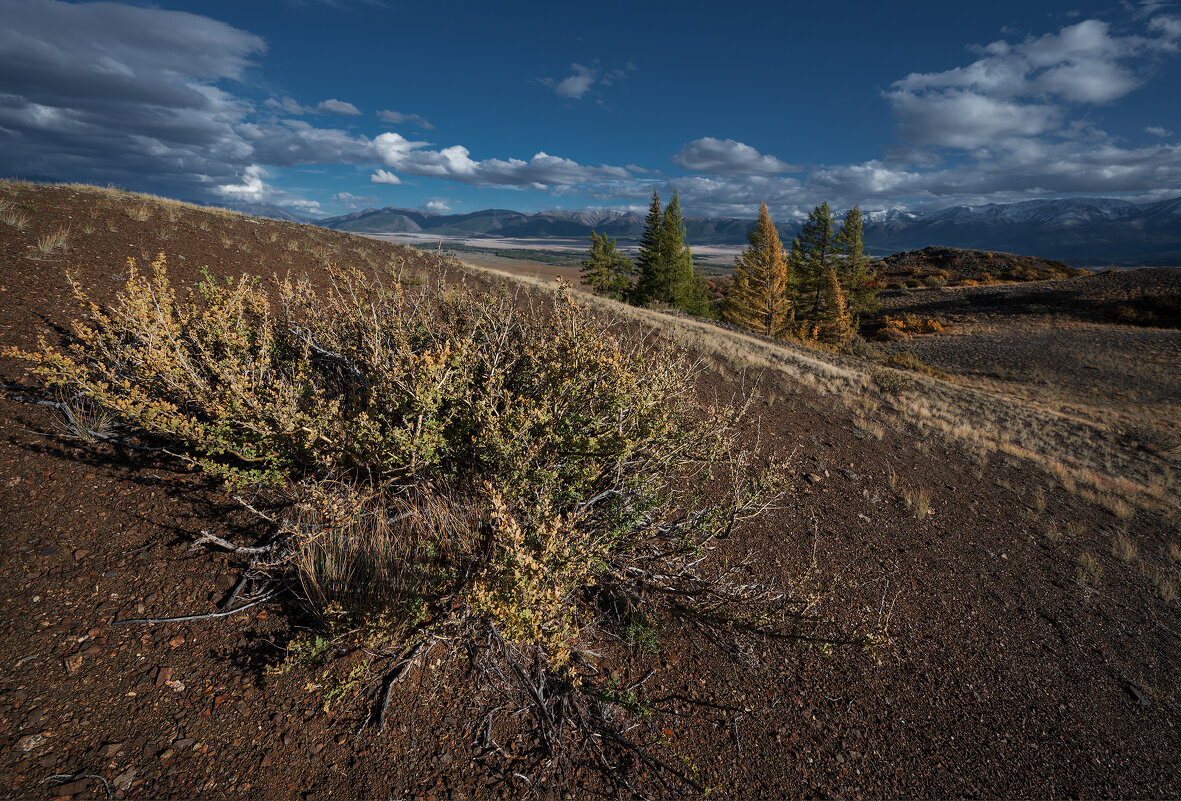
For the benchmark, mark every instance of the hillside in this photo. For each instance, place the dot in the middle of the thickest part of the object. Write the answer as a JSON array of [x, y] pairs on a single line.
[[936, 266], [1017, 565]]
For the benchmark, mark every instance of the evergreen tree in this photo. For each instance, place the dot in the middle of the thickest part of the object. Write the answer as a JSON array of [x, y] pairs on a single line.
[[648, 260], [853, 271], [835, 323], [684, 284], [606, 270], [816, 254], [758, 299]]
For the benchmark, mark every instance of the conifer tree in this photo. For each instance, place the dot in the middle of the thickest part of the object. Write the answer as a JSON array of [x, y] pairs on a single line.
[[853, 271], [758, 299], [606, 270], [676, 258], [835, 324], [815, 254], [648, 260]]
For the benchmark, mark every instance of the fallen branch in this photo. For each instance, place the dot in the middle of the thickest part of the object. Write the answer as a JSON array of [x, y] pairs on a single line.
[[208, 616], [388, 690], [229, 546]]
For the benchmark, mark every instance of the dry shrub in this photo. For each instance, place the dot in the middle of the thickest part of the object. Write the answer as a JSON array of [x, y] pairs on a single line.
[[502, 462], [891, 382]]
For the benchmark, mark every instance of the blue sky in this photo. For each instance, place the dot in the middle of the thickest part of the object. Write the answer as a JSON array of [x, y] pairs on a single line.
[[327, 107]]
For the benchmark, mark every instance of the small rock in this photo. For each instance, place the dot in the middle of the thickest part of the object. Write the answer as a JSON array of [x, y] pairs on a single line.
[[175, 686], [224, 582], [163, 676], [81, 554], [73, 663], [813, 478], [29, 742], [177, 641], [124, 780], [110, 749]]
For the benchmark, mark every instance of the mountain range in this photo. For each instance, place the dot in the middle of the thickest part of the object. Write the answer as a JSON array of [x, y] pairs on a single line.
[[1083, 232]]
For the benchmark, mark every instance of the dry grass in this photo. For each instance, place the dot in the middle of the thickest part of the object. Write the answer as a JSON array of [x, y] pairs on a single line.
[[918, 502], [54, 242], [1089, 567], [10, 216], [1174, 553], [141, 213], [1123, 548]]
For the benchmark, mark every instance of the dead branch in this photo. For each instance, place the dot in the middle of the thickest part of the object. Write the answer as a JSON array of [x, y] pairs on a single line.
[[208, 616]]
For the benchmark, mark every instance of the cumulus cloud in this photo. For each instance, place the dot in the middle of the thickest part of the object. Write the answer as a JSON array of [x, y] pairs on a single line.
[[251, 188], [438, 204], [1157, 130], [1025, 89], [384, 177], [398, 118], [725, 156], [542, 171]]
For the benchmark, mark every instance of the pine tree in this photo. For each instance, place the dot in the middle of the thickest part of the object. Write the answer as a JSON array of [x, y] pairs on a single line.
[[853, 271], [835, 324], [606, 270], [815, 254], [758, 299], [648, 261]]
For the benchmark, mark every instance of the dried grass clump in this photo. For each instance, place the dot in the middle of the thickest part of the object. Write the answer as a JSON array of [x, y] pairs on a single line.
[[1124, 548], [53, 242]]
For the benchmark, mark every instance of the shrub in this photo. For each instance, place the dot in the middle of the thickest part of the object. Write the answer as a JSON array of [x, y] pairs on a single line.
[[891, 382], [463, 462]]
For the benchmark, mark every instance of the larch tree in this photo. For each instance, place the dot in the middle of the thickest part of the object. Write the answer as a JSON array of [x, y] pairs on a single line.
[[835, 324], [606, 270], [758, 299], [853, 271]]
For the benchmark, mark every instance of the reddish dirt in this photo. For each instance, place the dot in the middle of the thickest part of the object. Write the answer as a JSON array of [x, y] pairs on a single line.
[[1004, 674]]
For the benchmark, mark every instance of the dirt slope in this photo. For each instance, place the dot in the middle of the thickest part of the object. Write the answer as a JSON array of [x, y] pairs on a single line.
[[1010, 670]]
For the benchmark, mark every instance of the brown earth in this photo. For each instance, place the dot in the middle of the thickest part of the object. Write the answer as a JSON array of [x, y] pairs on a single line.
[[1009, 669], [1054, 344]]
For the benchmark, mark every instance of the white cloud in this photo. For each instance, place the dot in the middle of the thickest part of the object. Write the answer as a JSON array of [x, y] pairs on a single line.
[[728, 157], [349, 200], [438, 204], [398, 118], [334, 106], [1025, 89], [252, 188], [542, 171], [583, 79], [384, 177], [1157, 130], [330, 106]]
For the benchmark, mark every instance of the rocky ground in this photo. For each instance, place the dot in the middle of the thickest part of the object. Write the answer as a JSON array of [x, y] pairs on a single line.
[[1010, 667]]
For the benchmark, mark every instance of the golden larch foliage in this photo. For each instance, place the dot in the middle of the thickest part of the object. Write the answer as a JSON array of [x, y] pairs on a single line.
[[758, 300]]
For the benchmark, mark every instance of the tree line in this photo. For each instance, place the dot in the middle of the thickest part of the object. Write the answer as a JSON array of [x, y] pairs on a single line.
[[819, 290]]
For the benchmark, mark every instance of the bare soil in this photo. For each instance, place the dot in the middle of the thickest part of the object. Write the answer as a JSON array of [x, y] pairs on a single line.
[[1053, 343], [1008, 671]]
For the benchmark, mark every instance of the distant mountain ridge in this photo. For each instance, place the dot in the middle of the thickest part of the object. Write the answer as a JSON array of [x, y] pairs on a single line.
[[1078, 231]]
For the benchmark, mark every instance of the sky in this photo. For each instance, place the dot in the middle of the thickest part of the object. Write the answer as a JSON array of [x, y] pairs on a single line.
[[325, 107]]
